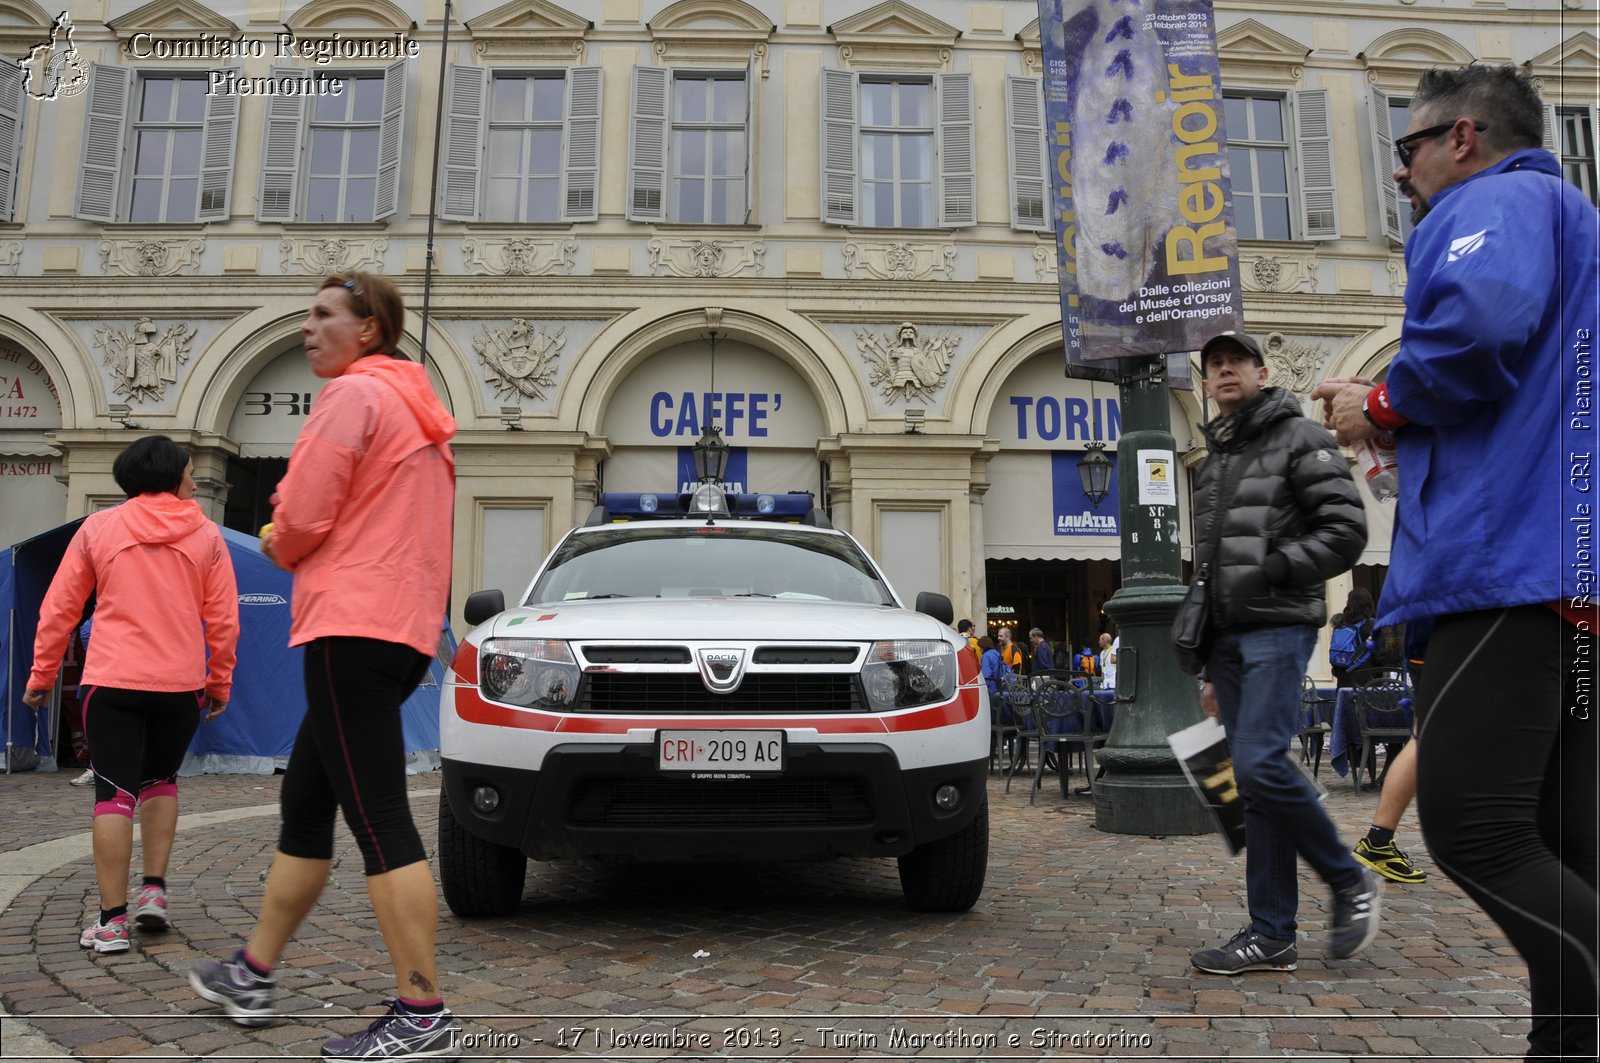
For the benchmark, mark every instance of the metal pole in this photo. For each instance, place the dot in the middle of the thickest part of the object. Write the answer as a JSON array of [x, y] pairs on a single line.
[[433, 184], [1144, 790]]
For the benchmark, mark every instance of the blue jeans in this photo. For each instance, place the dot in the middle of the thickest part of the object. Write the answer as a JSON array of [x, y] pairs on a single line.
[[1257, 674]]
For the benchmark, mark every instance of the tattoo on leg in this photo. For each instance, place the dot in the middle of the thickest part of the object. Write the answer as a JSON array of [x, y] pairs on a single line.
[[421, 984]]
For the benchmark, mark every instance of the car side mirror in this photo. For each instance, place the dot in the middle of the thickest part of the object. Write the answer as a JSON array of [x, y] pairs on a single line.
[[481, 605], [936, 605]]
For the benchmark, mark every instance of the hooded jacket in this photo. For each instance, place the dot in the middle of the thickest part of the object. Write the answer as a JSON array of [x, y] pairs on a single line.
[[158, 568], [1496, 373], [1295, 512], [363, 516]]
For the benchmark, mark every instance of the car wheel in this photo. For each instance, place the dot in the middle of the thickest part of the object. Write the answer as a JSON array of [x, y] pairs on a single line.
[[479, 878], [947, 875]]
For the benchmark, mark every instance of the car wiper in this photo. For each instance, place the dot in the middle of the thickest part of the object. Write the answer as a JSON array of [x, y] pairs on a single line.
[[752, 594], [597, 597]]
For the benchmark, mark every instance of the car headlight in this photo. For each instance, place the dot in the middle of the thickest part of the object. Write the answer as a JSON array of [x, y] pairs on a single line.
[[536, 673], [908, 672]]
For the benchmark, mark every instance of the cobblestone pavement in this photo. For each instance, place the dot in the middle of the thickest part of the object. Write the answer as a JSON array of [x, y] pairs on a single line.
[[1078, 949]]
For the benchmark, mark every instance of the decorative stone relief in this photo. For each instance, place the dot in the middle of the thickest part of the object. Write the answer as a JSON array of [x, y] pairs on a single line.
[[332, 255], [141, 364], [901, 262], [900, 367], [10, 259], [1294, 365], [521, 358], [1278, 273], [1046, 266], [151, 258], [706, 258], [522, 256], [1396, 267]]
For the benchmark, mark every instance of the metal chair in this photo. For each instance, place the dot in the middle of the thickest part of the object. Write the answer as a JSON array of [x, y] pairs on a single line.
[[1383, 717], [1028, 710], [1316, 723], [1080, 721], [1015, 698]]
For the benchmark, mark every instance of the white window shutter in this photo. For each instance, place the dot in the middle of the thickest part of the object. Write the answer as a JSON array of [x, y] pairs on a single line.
[[1025, 147], [749, 137], [390, 133], [1551, 134], [958, 153], [281, 137], [216, 156], [463, 142], [10, 136], [1313, 135], [105, 126], [647, 145], [840, 146], [582, 195], [1383, 163]]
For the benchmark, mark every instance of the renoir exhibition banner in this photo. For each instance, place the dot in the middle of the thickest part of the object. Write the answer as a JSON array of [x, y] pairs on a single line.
[[1143, 213]]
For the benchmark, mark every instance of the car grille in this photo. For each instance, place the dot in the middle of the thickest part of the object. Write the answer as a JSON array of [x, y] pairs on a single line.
[[685, 692], [697, 805]]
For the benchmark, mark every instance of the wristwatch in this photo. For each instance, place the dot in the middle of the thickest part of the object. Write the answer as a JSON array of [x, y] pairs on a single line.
[[1366, 411]]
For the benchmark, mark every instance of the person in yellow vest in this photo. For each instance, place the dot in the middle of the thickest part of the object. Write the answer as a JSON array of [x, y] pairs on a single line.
[[964, 628]]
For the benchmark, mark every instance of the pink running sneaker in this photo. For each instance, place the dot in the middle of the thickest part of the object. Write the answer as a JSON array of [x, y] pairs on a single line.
[[113, 937], [150, 912]]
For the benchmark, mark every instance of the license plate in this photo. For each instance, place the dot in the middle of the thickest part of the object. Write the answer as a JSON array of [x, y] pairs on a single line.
[[719, 751]]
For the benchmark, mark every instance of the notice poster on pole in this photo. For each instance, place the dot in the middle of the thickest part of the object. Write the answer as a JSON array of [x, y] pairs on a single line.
[[1157, 483], [1141, 198]]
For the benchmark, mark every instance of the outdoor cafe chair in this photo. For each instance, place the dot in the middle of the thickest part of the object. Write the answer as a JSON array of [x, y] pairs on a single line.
[[1030, 717], [1383, 717], [1316, 723], [1015, 697]]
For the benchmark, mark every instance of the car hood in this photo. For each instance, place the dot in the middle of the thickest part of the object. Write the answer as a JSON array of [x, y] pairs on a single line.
[[700, 619]]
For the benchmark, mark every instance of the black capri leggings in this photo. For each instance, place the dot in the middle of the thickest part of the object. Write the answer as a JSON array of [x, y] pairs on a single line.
[[350, 754], [1506, 793], [137, 739]]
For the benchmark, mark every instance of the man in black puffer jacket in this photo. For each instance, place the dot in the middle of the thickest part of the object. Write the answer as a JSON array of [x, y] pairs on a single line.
[[1290, 518]]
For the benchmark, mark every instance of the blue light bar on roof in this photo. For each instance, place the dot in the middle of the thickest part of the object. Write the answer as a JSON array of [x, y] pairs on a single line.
[[624, 505]]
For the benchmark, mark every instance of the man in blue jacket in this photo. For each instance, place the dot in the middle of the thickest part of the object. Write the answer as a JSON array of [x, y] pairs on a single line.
[[1491, 399]]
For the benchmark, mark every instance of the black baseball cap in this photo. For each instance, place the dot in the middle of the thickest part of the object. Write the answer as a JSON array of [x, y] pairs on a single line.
[[1243, 339]]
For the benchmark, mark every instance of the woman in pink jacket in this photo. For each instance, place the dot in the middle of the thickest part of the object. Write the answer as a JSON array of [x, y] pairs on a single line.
[[363, 520], [165, 593]]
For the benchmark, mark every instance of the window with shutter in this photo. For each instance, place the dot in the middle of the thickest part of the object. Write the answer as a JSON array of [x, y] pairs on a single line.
[[708, 150], [216, 156], [1258, 161], [958, 174], [647, 145], [1574, 127], [897, 153], [1026, 148], [390, 132], [1394, 219], [463, 143], [582, 195], [839, 147], [105, 125], [1313, 137], [281, 139], [526, 144], [10, 136]]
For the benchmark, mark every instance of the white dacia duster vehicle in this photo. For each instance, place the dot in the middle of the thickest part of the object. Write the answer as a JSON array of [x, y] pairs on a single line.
[[712, 677]]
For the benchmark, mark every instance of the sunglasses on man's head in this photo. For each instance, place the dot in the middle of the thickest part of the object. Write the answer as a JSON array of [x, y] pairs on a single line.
[[1406, 146]]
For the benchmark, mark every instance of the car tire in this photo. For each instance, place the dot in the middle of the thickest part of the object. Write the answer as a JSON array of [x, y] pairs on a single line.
[[947, 875], [479, 878]]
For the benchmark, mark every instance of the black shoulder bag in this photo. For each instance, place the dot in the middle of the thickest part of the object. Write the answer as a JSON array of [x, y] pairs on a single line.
[[1191, 628]]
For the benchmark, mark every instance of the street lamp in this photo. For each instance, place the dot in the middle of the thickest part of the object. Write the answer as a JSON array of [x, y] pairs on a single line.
[[1095, 469], [710, 455]]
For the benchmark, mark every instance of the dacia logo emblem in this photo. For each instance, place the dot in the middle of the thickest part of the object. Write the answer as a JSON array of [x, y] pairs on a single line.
[[721, 667]]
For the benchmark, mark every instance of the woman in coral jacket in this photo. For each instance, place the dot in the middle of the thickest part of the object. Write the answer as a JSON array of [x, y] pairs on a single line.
[[166, 595], [363, 520]]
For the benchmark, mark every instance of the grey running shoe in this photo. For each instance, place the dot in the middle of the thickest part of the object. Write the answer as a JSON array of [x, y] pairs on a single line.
[[1247, 951], [1356, 913], [396, 1035], [246, 998], [151, 911], [112, 937]]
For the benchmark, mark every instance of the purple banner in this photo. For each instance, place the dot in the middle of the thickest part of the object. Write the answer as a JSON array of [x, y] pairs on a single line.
[[1141, 200]]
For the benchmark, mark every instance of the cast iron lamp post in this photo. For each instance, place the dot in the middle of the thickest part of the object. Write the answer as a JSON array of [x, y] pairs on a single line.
[[1144, 790]]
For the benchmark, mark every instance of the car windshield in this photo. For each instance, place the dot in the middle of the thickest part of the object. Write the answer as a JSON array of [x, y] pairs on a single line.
[[719, 560]]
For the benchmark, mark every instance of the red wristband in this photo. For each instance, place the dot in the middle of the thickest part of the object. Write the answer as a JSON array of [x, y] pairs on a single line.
[[1379, 412]]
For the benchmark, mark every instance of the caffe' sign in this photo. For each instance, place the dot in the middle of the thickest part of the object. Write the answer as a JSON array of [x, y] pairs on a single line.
[[28, 396]]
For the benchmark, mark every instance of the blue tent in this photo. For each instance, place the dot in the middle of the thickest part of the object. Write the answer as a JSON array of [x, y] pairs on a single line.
[[268, 702]]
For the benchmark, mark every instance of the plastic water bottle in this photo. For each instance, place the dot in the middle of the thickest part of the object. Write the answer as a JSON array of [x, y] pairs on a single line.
[[1381, 466]]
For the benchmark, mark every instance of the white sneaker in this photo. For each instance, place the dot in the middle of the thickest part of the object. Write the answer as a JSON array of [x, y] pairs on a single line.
[[86, 779]]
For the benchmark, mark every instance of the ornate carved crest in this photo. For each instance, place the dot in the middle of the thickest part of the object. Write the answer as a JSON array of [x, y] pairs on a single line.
[[523, 256], [900, 367], [521, 359], [1294, 365], [10, 258], [332, 255], [151, 258], [900, 262], [705, 258], [142, 364]]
